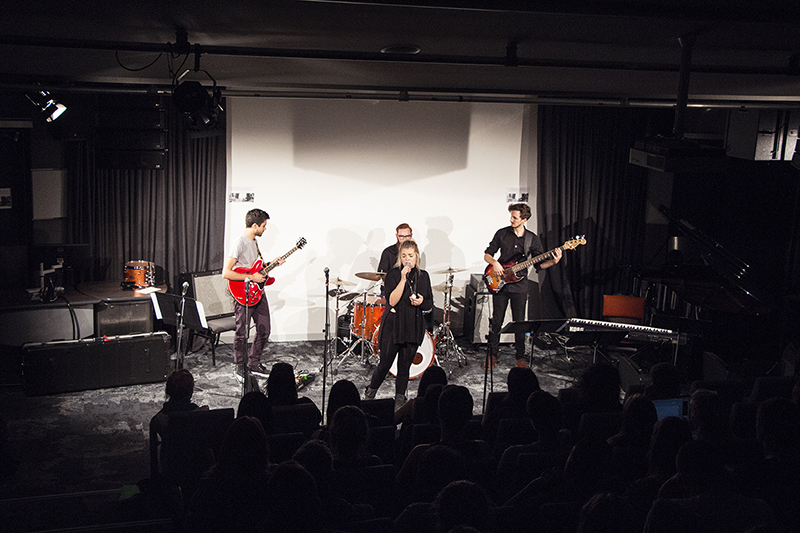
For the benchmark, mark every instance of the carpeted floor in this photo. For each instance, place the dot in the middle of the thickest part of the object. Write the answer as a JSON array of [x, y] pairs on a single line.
[[97, 440]]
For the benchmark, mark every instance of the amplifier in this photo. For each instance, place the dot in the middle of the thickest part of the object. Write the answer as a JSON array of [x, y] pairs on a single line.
[[96, 363]]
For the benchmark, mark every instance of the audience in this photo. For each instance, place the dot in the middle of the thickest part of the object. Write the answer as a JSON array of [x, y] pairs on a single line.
[[257, 405], [179, 390], [348, 439], [522, 382], [412, 409]]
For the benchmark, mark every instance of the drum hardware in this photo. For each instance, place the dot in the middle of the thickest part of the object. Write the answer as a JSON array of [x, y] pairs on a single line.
[[445, 341], [340, 295], [371, 276], [362, 310], [339, 282]]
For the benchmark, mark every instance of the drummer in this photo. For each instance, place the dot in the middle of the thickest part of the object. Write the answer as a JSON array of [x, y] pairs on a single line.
[[389, 254], [409, 298]]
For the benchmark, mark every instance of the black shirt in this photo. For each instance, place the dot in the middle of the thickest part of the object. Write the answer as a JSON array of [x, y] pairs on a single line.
[[512, 250], [388, 258], [405, 322]]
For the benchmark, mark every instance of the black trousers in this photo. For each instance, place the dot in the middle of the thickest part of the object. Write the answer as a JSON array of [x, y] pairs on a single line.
[[500, 302], [405, 353]]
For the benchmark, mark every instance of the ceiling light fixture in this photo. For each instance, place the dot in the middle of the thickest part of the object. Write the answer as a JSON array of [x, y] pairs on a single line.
[[401, 49], [49, 108]]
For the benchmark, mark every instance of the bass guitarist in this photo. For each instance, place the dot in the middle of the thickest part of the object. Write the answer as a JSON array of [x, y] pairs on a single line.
[[244, 252], [515, 243]]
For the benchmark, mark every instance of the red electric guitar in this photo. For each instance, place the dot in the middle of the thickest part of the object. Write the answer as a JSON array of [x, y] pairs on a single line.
[[251, 297], [495, 281]]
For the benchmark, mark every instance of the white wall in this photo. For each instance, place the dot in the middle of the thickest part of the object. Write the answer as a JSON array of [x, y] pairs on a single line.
[[344, 173]]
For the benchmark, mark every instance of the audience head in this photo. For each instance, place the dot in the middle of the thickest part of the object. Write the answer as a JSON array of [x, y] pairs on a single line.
[[462, 503], [439, 466], [777, 427], [669, 434], [455, 408], [432, 375], [522, 382], [244, 449], [638, 418], [294, 503], [430, 404], [544, 411], [599, 387], [700, 465], [606, 511], [707, 414], [315, 456], [180, 385], [256, 404], [665, 382], [281, 385], [348, 432], [343, 392]]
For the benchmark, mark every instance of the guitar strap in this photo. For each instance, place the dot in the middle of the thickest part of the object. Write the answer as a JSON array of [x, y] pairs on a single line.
[[526, 247]]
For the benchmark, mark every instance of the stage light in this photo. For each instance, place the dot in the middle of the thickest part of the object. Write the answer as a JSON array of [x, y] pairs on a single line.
[[49, 108], [194, 101]]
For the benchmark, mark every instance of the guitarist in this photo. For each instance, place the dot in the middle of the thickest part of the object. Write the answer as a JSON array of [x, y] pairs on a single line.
[[515, 243], [244, 252]]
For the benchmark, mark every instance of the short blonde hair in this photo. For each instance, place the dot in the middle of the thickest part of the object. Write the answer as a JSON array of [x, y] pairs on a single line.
[[410, 243]]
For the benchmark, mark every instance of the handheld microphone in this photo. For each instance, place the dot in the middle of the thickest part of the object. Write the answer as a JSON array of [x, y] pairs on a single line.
[[326, 273], [185, 288]]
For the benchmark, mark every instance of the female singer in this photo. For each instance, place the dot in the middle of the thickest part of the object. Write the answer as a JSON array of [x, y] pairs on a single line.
[[403, 325]]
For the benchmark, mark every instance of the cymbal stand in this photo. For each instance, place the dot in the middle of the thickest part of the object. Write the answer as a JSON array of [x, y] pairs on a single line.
[[332, 346], [444, 331], [363, 340]]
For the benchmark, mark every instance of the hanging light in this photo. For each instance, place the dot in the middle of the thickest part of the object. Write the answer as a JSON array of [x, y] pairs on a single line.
[[49, 108]]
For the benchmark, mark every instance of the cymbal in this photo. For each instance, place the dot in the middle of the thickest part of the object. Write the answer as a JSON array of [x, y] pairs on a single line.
[[450, 270], [371, 276], [341, 282], [444, 287]]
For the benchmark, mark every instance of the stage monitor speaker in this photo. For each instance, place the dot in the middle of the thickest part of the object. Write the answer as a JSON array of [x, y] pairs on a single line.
[[478, 316], [210, 289]]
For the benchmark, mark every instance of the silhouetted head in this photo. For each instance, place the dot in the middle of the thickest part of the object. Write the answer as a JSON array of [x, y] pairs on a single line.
[[462, 503], [545, 413], [455, 408], [669, 434], [180, 385], [606, 511], [638, 417], [245, 448], [665, 382], [599, 386], [348, 432], [433, 374], [343, 392], [256, 404], [522, 382], [281, 385]]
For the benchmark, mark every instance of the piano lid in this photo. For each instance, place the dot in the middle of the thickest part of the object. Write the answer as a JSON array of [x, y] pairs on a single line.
[[720, 281]]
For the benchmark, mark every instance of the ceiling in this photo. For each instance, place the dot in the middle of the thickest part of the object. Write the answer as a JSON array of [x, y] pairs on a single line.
[[615, 51]]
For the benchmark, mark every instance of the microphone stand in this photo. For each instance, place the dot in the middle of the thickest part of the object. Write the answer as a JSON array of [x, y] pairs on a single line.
[[246, 355], [327, 340], [178, 354]]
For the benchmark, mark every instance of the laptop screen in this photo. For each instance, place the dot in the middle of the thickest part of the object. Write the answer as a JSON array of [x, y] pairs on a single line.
[[671, 407]]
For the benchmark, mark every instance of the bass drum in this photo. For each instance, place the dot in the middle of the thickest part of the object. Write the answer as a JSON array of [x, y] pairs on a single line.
[[422, 360]]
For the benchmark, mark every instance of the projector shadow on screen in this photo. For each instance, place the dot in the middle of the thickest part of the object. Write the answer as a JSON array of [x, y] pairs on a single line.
[[376, 140]]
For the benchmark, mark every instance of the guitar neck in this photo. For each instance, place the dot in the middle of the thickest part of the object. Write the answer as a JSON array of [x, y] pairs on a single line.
[[272, 265], [536, 260]]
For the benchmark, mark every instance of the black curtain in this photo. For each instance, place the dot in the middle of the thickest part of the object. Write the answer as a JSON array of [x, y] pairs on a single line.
[[588, 188], [174, 217]]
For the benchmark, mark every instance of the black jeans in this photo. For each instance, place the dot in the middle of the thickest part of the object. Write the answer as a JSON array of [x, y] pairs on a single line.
[[500, 303]]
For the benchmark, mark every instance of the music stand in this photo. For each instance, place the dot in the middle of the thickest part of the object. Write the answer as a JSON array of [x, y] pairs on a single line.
[[167, 308], [596, 339]]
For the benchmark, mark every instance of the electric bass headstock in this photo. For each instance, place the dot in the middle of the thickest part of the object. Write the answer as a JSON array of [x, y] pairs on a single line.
[[574, 243]]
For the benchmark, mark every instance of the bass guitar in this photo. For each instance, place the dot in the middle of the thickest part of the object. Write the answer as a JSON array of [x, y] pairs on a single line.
[[238, 289], [495, 281]]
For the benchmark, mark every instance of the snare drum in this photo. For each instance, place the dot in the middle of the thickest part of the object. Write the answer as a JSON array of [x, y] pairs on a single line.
[[367, 316], [422, 360], [139, 274]]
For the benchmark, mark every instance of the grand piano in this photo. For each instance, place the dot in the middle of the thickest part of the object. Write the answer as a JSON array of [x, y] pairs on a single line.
[[714, 296]]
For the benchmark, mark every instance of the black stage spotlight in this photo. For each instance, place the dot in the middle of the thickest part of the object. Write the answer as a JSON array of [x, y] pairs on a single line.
[[49, 108], [194, 101]]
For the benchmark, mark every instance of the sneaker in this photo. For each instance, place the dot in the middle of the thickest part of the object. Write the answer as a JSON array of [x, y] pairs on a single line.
[[259, 370], [238, 372], [521, 363]]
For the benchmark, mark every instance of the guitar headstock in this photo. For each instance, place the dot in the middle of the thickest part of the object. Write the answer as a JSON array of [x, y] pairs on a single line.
[[574, 243], [301, 242]]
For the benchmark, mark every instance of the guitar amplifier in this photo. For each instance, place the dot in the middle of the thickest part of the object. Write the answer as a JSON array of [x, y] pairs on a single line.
[[97, 363]]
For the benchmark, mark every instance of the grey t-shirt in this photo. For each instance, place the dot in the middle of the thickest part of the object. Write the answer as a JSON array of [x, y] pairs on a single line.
[[245, 251]]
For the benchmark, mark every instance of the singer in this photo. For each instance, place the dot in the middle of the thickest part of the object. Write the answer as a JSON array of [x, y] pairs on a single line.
[[244, 252], [403, 324]]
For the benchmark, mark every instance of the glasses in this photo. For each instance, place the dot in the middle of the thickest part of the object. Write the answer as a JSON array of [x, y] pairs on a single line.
[[404, 236]]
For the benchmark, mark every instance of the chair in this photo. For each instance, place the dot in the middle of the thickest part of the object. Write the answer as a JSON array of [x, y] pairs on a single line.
[[282, 446], [381, 443], [623, 309], [298, 418], [425, 434], [191, 444], [380, 408], [373, 485], [766, 387], [513, 431], [210, 289]]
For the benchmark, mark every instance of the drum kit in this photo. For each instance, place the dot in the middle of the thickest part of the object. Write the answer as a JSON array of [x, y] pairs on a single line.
[[359, 326], [139, 274]]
